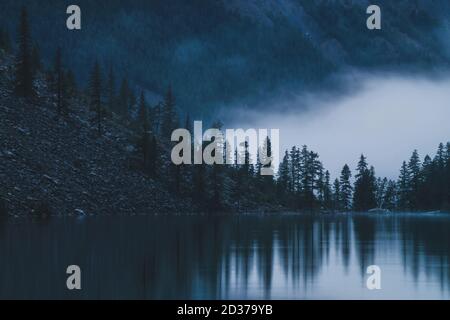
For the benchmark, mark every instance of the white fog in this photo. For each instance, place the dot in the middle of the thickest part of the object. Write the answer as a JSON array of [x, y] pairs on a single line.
[[385, 118]]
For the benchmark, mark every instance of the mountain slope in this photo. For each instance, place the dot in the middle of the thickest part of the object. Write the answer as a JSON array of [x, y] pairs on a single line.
[[60, 166]]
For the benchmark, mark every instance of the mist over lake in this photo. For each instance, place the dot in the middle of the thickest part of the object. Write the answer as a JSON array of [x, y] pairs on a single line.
[[100, 199], [384, 117]]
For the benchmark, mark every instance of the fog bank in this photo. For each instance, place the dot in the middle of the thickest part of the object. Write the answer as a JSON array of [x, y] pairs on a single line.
[[384, 117]]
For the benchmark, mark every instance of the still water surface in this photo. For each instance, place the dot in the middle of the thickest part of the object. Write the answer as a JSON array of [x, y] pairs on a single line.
[[276, 257]]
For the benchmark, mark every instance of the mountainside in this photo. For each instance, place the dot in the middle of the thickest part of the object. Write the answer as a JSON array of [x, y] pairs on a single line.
[[54, 165], [216, 53]]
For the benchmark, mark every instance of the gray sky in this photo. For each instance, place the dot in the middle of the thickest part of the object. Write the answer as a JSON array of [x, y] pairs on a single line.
[[385, 118]]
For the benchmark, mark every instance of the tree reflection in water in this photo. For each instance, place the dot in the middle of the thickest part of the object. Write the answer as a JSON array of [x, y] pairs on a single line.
[[293, 257]]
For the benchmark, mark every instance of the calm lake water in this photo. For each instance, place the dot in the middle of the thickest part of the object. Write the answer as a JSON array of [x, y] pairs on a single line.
[[282, 257]]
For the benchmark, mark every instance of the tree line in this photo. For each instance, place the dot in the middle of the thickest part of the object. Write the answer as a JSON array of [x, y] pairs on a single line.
[[302, 183]]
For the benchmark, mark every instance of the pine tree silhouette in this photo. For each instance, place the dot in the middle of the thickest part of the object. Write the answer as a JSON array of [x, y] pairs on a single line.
[[345, 189]]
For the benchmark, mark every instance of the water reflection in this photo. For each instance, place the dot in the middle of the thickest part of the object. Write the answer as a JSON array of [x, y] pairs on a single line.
[[291, 257]]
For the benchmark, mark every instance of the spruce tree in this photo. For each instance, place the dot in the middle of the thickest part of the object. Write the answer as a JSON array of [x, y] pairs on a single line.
[[446, 204], [390, 196], [439, 176], [327, 192], [425, 198], [364, 190], [295, 172], [372, 189], [337, 206], [403, 187], [381, 187], [283, 177], [264, 172], [345, 197], [305, 174], [414, 169]]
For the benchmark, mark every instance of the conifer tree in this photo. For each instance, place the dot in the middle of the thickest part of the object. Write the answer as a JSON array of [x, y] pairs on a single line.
[[446, 204], [364, 190], [295, 170], [283, 177], [439, 176], [327, 192], [440, 156], [305, 173], [390, 196], [414, 179], [238, 180], [403, 187], [337, 204], [247, 160], [345, 197], [427, 181], [380, 192]]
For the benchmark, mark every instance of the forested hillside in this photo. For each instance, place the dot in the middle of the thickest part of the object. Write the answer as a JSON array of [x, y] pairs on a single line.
[[98, 148]]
